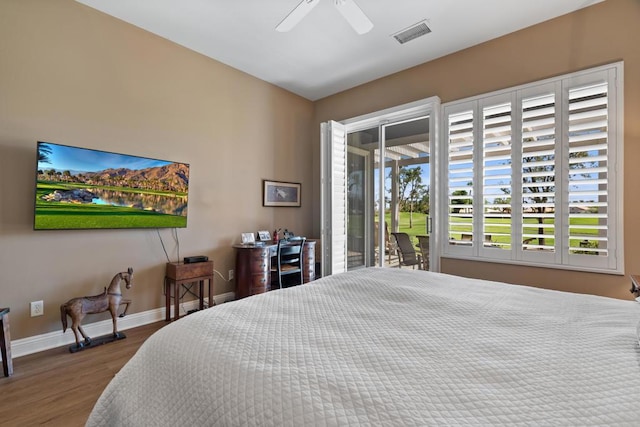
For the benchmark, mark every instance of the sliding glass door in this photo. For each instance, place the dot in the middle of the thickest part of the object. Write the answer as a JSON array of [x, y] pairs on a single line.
[[359, 185], [376, 180], [407, 185]]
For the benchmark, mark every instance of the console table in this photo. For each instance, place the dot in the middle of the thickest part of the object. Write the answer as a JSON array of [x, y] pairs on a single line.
[[253, 267], [179, 274]]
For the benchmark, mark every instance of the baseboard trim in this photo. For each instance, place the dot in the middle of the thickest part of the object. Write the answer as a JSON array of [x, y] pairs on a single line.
[[37, 343]]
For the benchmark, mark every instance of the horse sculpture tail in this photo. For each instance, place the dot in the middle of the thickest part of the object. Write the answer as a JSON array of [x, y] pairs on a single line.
[[63, 317]]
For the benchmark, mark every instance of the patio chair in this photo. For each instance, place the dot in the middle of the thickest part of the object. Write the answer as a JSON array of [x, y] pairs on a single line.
[[408, 255], [389, 247], [423, 245]]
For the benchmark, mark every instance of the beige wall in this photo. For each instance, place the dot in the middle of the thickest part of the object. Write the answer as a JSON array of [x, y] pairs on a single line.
[[597, 35], [71, 75]]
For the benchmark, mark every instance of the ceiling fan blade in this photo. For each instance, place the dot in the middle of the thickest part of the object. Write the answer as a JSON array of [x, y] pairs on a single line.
[[296, 15], [354, 16]]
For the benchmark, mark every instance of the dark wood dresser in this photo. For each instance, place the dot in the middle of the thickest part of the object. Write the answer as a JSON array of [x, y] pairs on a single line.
[[253, 267]]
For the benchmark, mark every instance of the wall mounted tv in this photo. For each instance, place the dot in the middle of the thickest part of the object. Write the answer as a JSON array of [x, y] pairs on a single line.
[[81, 188]]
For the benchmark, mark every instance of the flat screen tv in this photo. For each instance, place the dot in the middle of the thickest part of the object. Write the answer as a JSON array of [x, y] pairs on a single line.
[[81, 188]]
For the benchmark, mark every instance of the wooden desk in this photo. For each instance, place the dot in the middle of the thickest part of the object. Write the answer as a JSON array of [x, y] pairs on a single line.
[[253, 267], [178, 274]]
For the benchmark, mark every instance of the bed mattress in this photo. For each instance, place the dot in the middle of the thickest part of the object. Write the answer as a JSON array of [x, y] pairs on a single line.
[[388, 347]]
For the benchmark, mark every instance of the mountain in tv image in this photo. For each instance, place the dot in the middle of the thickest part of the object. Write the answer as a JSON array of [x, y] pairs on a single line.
[[79, 188], [172, 177]]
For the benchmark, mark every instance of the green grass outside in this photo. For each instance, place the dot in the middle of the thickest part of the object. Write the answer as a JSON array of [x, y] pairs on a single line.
[[56, 215], [420, 220], [413, 227], [494, 229], [419, 224]]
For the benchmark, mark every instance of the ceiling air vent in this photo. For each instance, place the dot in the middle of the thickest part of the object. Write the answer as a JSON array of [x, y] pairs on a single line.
[[413, 32]]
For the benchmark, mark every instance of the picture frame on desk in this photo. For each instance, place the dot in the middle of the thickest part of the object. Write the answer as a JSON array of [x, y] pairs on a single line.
[[248, 238], [264, 236], [279, 193]]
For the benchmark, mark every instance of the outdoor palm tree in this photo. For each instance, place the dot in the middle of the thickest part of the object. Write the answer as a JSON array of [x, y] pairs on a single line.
[[411, 190]]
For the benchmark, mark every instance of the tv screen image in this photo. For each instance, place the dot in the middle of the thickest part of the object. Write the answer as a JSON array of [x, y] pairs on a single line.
[[81, 188]]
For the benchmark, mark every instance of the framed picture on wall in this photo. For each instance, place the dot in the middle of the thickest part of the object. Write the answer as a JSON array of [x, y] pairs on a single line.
[[277, 193]]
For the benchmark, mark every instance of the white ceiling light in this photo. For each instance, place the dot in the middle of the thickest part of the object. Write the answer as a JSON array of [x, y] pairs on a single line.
[[348, 8]]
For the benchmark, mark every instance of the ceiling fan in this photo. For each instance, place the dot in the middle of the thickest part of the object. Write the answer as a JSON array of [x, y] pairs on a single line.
[[348, 8]]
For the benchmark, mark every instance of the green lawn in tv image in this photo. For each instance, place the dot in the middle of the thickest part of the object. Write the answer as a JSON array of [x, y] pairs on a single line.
[[80, 188], [63, 216]]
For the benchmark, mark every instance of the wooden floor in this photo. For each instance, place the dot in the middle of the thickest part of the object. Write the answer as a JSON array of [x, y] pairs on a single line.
[[59, 388]]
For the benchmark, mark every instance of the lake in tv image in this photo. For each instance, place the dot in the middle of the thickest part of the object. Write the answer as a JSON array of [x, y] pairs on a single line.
[[80, 188]]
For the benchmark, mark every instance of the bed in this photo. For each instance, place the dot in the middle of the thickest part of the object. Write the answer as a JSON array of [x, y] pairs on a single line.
[[387, 347]]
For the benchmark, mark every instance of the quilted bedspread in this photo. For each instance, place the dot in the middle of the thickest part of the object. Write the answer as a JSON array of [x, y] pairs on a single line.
[[388, 347]]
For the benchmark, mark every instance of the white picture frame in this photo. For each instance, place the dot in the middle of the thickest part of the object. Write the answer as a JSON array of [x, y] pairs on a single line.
[[248, 238], [264, 236]]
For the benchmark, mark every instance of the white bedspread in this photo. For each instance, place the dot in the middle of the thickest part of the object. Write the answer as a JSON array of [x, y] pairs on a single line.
[[388, 347]]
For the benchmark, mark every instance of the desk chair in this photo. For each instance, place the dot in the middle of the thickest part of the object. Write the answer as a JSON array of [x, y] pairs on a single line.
[[408, 255], [288, 262]]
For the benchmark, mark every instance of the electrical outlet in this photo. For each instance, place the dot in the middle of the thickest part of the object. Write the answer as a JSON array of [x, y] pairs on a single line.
[[37, 308], [230, 274]]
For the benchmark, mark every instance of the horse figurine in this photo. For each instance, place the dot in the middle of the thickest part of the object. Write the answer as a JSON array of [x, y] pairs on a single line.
[[110, 299]]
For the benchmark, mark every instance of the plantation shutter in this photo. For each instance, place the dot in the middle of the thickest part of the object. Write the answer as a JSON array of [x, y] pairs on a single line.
[[334, 198], [460, 134], [533, 173], [497, 182], [591, 210], [540, 156]]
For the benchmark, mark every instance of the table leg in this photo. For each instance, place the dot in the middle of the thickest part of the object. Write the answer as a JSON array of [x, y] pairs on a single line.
[[167, 291], [5, 345], [211, 300], [176, 301], [201, 294]]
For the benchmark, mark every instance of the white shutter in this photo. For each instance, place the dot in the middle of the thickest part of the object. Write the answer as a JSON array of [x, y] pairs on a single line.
[[591, 200], [540, 183], [459, 131], [497, 175], [540, 156], [334, 198]]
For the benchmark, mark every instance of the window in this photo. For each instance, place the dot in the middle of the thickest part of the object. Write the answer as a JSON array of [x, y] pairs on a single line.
[[534, 173]]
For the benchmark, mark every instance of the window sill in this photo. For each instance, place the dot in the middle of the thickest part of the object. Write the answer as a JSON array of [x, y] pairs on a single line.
[[616, 272]]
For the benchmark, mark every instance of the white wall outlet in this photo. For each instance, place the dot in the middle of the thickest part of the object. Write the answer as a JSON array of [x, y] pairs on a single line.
[[230, 274], [37, 308]]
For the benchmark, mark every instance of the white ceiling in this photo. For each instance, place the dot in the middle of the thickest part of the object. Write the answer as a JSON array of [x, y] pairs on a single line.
[[322, 55]]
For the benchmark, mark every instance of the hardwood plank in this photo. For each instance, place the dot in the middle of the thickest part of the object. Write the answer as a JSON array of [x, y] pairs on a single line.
[[59, 388]]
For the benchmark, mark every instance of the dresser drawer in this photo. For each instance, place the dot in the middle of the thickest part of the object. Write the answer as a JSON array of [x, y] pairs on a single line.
[[259, 283], [259, 265]]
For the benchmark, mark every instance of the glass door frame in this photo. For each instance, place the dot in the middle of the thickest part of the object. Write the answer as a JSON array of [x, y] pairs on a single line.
[[367, 185], [427, 107]]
